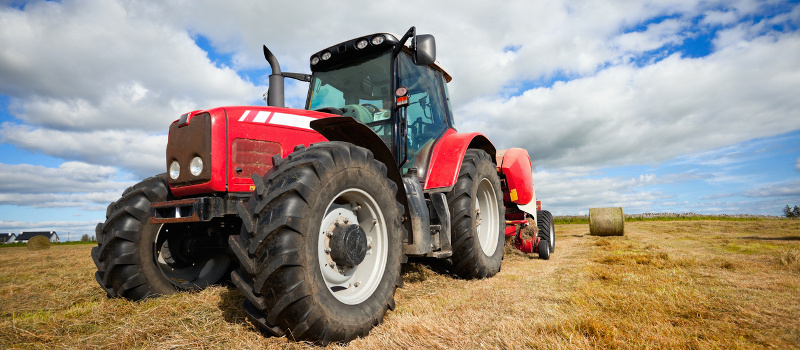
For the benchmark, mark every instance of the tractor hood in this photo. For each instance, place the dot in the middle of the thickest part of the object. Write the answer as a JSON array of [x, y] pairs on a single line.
[[218, 150]]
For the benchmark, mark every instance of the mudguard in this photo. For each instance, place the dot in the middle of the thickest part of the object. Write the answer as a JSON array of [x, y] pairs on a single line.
[[515, 164], [447, 156], [353, 131]]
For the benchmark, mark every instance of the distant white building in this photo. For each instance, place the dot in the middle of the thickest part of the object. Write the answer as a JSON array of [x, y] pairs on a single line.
[[25, 236], [7, 237]]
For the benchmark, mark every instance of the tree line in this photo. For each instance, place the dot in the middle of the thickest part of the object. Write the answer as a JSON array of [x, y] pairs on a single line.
[[791, 213]]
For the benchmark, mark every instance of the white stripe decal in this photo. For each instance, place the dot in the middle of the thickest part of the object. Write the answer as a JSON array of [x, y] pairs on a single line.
[[244, 116], [261, 117], [296, 121]]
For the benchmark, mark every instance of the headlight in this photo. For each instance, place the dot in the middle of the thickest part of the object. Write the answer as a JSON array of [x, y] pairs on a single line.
[[314, 60], [378, 40], [174, 170], [326, 56], [195, 167], [362, 44]]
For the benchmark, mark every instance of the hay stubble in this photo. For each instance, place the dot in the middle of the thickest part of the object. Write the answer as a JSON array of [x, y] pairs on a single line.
[[663, 285]]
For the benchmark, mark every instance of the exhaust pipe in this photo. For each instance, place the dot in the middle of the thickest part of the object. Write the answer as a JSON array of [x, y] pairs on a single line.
[[275, 92]]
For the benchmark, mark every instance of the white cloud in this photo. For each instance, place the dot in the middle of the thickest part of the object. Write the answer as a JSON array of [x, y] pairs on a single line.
[[71, 185], [568, 193], [785, 189], [98, 82], [87, 65], [136, 151], [626, 115], [69, 177]]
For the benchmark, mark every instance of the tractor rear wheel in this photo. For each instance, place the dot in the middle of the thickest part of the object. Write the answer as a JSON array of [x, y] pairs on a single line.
[[477, 216], [320, 245], [547, 228], [136, 259]]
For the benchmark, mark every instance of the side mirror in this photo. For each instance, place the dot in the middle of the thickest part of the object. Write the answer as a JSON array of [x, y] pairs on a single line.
[[424, 49]]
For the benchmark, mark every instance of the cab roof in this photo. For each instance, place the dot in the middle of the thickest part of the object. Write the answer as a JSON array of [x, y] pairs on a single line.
[[347, 50]]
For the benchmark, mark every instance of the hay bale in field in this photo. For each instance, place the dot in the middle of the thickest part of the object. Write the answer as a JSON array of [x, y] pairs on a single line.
[[38, 243], [606, 222]]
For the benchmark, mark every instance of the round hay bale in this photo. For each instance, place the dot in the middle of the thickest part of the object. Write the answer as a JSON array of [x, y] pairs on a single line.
[[38, 243], [606, 222]]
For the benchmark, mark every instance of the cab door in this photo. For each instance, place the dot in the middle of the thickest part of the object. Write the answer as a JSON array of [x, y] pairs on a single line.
[[426, 116]]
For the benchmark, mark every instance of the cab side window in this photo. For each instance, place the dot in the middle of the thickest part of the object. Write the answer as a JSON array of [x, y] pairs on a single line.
[[425, 114]]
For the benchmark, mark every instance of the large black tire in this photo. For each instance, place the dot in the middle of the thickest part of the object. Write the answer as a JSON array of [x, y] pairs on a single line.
[[291, 286], [477, 217], [133, 257], [546, 227]]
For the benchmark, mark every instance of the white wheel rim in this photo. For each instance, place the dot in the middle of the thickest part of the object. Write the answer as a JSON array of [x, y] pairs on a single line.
[[487, 217], [353, 285]]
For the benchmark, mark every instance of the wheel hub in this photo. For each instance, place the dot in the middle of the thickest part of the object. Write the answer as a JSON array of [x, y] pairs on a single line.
[[348, 245]]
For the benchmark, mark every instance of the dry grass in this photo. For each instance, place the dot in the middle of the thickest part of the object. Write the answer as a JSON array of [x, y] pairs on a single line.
[[682, 284]]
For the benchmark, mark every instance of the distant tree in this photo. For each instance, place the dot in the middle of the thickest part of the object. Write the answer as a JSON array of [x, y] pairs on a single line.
[[791, 213], [93, 239], [85, 238]]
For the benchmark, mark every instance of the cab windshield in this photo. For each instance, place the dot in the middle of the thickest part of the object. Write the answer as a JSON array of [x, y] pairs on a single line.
[[361, 90]]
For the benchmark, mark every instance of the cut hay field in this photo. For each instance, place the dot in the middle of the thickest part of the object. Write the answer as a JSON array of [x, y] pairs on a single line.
[[666, 284]]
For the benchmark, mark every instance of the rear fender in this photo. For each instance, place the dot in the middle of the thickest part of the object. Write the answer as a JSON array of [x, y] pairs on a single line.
[[515, 165], [447, 156]]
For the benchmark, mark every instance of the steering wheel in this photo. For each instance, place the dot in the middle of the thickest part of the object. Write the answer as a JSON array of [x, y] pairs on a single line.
[[330, 110], [372, 108]]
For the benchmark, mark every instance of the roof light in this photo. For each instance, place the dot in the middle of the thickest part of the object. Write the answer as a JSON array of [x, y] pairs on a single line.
[[362, 44], [378, 39], [326, 56], [314, 60]]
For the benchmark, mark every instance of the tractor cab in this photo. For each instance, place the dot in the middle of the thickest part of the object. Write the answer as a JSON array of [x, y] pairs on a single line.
[[398, 91]]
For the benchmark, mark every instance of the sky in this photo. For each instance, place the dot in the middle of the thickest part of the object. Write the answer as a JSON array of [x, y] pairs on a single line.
[[655, 106]]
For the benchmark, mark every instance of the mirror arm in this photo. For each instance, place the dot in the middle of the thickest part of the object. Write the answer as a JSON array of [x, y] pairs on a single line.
[[298, 76], [411, 32]]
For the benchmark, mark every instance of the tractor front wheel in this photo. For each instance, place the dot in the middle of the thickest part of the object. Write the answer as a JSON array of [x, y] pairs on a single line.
[[477, 216], [320, 246], [137, 259]]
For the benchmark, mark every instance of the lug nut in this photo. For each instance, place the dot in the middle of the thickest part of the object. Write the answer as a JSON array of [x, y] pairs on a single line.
[[327, 250]]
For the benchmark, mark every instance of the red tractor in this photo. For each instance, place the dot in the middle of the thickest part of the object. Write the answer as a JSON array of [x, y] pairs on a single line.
[[310, 213]]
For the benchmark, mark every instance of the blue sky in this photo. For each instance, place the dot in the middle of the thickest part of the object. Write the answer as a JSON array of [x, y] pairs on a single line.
[[655, 106]]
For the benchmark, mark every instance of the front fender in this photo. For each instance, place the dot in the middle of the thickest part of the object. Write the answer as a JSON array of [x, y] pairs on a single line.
[[350, 130], [447, 156]]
